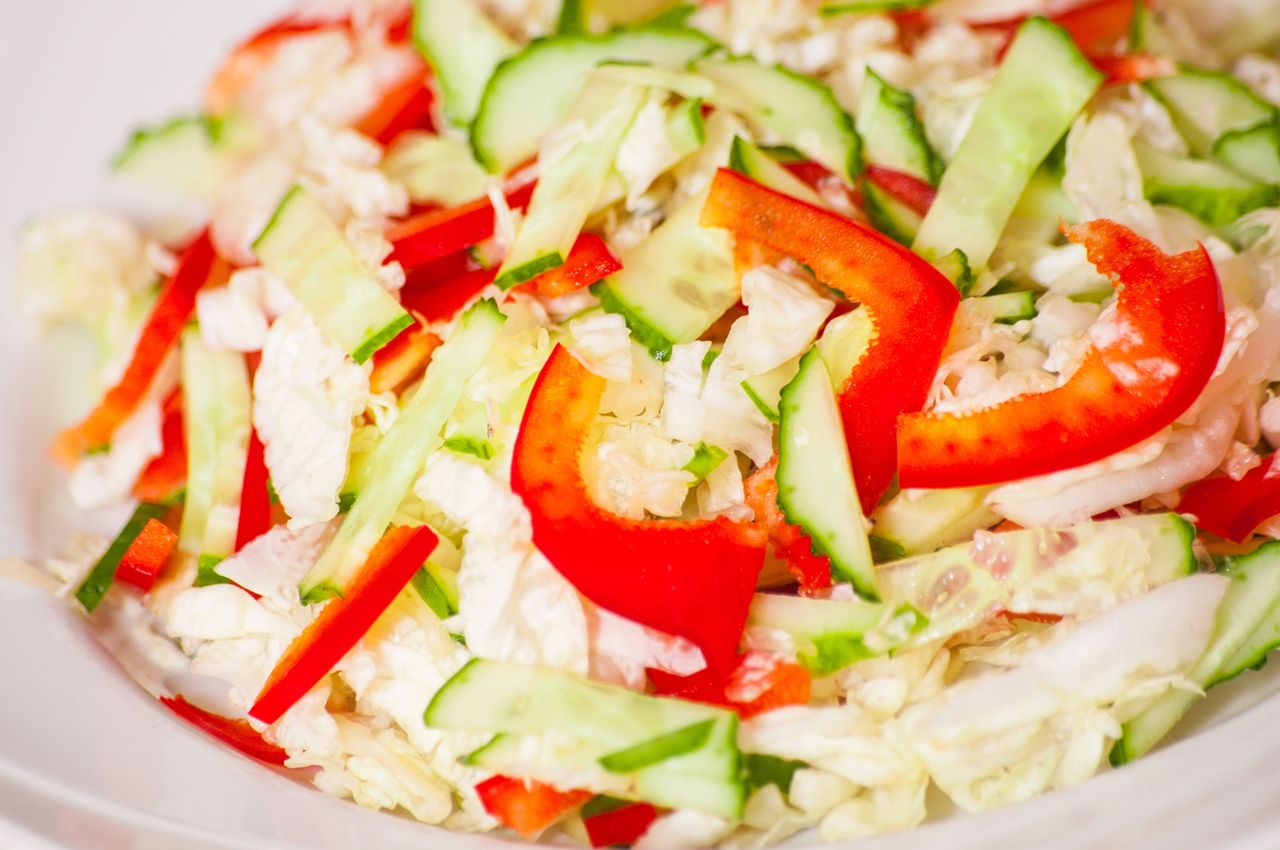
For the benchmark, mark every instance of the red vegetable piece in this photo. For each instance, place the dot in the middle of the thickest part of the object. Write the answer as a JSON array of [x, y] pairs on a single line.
[[147, 555], [196, 267], [1234, 509], [440, 299], [1148, 364], [621, 826], [526, 806], [1097, 27], [403, 359], [790, 543], [1134, 67], [438, 233], [590, 261], [910, 304], [694, 579], [912, 191], [238, 734], [344, 620], [165, 476], [254, 54], [255, 499], [765, 682], [405, 106]]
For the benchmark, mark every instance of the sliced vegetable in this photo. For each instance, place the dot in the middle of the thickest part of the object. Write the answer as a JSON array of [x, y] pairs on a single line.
[[406, 106], [765, 682], [403, 359], [1234, 509], [892, 134], [464, 47], [706, 459], [188, 155], [765, 391], [255, 497], [588, 263], [98, 581], [524, 806], [237, 734], [435, 169], [1005, 308], [916, 522], [789, 542], [830, 635], [623, 824], [1131, 384], [1212, 193], [1254, 152], [661, 748], [439, 300], [750, 160], [165, 476], [147, 556], [438, 234], [1206, 105], [342, 622]]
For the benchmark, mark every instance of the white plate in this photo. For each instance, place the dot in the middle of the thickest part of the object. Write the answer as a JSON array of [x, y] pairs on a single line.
[[88, 761]]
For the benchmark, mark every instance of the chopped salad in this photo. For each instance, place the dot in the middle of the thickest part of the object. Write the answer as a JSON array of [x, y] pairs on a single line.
[[683, 425]]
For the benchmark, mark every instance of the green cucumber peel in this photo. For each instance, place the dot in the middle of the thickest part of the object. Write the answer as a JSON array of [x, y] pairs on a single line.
[[94, 588]]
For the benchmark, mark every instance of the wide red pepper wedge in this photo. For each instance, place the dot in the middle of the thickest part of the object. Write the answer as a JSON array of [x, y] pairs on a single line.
[[435, 234], [1234, 509], [237, 734], [694, 579], [622, 826], [344, 620], [166, 475], [147, 555], [406, 106], [589, 261], [1148, 364], [911, 306], [525, 806], [439, 299], [197, 265]]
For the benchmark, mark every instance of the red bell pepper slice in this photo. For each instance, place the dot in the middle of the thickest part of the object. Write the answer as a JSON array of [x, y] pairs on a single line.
[[435, 234], [1096, 27], [1134, 67], [1234, 509], [1146, 367], [590, 261], [238, 734], [440, 299], [165, 476], [255, 498], [197, 266], [253, 55], [790, 543], [406, 106], [910, 304], [622, 826], [912, 191], [764, 682], [344, 620], [694, 579], [147, 555], [525, 806], [403, 359]]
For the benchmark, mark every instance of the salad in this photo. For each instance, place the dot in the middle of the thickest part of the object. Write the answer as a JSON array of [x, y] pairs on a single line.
[[686, 426]]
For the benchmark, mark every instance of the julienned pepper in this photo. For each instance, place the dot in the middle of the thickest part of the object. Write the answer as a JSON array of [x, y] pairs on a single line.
[[403, 359], [436, 234], [147, 556], [1149, 362], [1234, 509], [525, 806], [438, 298], [164, 477], [255, 498], [619, 826], [344, 620], [405, 106], [910, 304], [237, 734], [197, 265], [694, 579]]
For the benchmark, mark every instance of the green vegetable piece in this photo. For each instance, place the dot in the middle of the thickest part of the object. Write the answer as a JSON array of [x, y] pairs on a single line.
[[98, 582], [658, 749]]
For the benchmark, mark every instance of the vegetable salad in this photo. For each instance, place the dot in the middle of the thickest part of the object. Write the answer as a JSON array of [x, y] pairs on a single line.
[[686, 425]]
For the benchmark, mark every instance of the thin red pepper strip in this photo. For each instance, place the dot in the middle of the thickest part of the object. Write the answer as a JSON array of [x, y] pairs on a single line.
[[165, 476], [622, 826], [435, 234], [1234, 509], [1134, 67], [912, 191], [238, 734], [525, 806], [405, 106], [344, 620], [1148, 364], [255, 499], [911, 307], [590, 261], [439, 300], [404, 358], [147, 556], [694, 579], [790, 543], [169, 314]]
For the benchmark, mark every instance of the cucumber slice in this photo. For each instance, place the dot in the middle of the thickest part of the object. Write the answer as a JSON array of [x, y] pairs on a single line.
[[1041, 86], [750, 160], [765, 391], [892, 135], [1245, 631], [532, 91], [190, 156], [816, 489], [216, 397], [1212, 193], [1254, 152], [659, 749], [832, 634], [469, 433], [1147, 34], [99, 580], [955, 268], [798, 109], [686, 133], [889, 215], [438, 587], [303, 247], [570, 185], [919, 522], [436, 170], [398, 459], [464, 47], [1205, 105], [572, 20], [1005, 308], [686, 84], [843, 342], [706, 459], [630, 12]]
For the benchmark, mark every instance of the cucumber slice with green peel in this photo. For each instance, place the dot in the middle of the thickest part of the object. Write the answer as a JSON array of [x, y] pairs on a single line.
[[706, 459], [95, 585], [1205, 105], [760, 770], [1147, 34], [469, 434], [216, 397], [572, 19], [816, 489], [1245, 631], [765, 391], [435, 169], [397, 461], [570, 186], [1254, 152], [889, 215], [918, 522], [955, 268], [959, 587], [191, 155], [531, 92], [892, 135], [438, 587], [464, 47], [1212, 193], [304, 248], [795, 108], [832, 634], [843, 342], [750, 160], [659, 749], [1005, 308], [686, 84], [1041, 86]]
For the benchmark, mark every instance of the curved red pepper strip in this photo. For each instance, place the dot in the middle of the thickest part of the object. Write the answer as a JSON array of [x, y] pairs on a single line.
[[165, 476], [1147, 366], [910, 304], [525, 806], [435, 234], [405, 106], [197, 265], [1096, 27], [622, 826], [403, 359], [694, 579], [238, 734], [912, 191], [1234, 509], [790, 543], [344, 620], [147, 556]]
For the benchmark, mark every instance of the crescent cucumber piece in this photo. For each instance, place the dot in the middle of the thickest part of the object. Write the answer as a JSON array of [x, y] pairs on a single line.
[[1205, 105], [920, 521], [464, 47], [1211, 192], [750, 160], [892, 135]]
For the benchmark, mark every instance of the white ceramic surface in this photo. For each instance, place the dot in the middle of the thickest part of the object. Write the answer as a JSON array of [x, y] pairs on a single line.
[[88, 761]]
